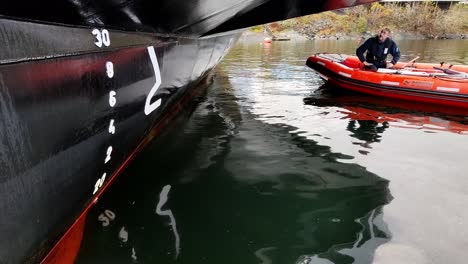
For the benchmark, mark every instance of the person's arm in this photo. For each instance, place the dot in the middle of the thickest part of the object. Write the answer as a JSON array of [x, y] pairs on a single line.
[[360, 51], [395, 51]]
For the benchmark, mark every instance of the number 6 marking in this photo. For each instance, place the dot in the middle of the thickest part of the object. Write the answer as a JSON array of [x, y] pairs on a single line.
[[150, 107], [112, 99]]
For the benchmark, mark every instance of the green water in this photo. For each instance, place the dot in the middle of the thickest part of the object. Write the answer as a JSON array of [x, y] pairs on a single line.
[[273, 166]]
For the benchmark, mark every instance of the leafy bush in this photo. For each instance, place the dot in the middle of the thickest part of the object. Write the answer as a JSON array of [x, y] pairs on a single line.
[[425, 18]]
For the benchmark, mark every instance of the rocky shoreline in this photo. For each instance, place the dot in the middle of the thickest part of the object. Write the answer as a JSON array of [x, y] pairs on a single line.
[[295, 35]]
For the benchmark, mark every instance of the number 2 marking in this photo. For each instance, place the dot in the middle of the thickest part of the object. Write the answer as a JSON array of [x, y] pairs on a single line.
[[108, 154], [150, 107]]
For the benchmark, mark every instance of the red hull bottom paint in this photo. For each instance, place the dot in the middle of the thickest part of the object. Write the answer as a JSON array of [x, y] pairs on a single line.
[[67, 248]]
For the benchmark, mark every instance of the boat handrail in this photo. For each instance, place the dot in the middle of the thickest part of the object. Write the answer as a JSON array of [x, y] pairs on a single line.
[[452, 72], [331, 57], [410, 72]]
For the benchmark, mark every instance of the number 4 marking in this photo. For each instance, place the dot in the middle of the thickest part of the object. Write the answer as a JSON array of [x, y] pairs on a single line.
[[111, 127], [150, 107]]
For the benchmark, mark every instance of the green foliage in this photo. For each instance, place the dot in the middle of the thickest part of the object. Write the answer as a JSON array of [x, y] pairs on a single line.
[[425, 18], [258, 28], [360, 25]]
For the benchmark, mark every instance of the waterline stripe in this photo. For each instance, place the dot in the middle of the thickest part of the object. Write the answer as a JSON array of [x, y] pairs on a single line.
[[323, 76], [390, 83], [344, 74], [448, 89]]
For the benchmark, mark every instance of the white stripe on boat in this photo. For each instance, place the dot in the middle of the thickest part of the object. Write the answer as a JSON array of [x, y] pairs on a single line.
[[390, 83], [448, 89], [343, 66], [321, 63], [344, 74], [323, 76]]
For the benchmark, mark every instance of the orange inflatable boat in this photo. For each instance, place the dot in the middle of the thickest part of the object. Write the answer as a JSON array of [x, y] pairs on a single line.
[[425, 82]]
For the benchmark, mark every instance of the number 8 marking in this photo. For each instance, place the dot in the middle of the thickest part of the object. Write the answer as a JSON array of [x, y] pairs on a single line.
[[110, 69]]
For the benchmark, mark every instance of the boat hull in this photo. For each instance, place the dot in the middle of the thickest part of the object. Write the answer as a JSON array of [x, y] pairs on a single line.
[[179, 17], [72, 119], [437, 88], [85, 84]]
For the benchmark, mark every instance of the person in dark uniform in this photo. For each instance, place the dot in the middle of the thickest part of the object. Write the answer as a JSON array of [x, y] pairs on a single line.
[[378, 48]]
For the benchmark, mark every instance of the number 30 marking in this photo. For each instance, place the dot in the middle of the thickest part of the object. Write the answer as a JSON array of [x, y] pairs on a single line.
[[102, 37]]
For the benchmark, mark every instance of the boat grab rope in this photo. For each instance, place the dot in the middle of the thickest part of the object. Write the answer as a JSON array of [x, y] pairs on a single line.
[[339, 59], [453, 78], [441, 75]]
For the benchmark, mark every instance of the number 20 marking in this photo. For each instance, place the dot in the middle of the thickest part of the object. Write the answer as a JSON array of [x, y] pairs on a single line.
[[99, 183]]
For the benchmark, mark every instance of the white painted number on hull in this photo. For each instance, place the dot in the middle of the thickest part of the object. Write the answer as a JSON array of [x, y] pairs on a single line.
[[99, 183], [110, 69], [150, 107], [111, 127], [108, 154], [102, 37], [112, 99]]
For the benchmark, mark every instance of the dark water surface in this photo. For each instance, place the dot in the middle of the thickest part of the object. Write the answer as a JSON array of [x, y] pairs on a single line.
[[273, 166]]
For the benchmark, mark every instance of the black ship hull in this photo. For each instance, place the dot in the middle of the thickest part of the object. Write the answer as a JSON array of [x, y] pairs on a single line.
[[86, 87], [70, 123]]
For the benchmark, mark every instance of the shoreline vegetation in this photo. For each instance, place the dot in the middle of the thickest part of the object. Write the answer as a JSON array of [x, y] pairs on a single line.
[[415, 20]]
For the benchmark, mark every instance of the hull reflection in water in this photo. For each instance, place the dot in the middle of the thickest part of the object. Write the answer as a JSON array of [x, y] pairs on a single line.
[[367, 111], [70, 124], [242, 191], [85, 85], [372, 235], [163, 196]]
